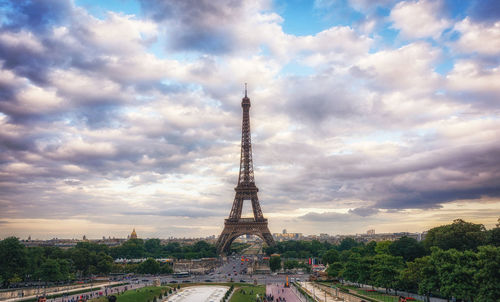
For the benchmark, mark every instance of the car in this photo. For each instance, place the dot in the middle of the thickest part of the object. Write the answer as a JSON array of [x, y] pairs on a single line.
[[208, 280], [173, 281], [242, 281], [186, 281]]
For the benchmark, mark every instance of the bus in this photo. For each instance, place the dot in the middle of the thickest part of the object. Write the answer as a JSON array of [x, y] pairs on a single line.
[[181, 275]]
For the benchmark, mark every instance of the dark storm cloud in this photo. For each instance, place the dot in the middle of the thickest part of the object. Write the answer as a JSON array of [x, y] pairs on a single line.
[[406, 199], [196, 25], [425, 175], [485, 10], [364, 212], [316, 99], [326, 217], [334, 217], [182, 212], [37, 15]]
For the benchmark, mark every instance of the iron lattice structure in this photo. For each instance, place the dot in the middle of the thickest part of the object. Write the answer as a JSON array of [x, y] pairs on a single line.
[[234, 225]]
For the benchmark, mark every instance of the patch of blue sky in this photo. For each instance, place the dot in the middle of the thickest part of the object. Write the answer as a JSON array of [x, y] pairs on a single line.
[[264, 50], [457, 9], [99, 8], [444, 66], [382, 11], [388, 38], [378, 137], [296, 69], [158, 48], [304, 17]]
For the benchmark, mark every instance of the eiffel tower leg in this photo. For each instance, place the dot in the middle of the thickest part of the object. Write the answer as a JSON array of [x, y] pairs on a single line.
[[268, 238]]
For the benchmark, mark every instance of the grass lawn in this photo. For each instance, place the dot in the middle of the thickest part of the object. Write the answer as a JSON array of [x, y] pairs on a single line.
[[140, 295], [249, 293], [375, 295]]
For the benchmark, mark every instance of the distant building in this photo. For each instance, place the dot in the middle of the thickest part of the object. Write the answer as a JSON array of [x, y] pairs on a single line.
[[370, 232], [133, 235], [287, 236]]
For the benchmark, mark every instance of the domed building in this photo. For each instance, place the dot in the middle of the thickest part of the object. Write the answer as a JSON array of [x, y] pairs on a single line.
[[133, 235]]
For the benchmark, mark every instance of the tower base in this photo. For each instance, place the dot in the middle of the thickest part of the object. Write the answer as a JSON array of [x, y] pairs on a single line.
[[243, 226]]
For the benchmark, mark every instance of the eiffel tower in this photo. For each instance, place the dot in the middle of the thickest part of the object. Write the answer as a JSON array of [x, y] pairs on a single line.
[[235, 226]]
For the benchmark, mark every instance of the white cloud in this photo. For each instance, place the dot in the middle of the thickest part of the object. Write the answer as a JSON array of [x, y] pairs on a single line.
[[419, 19], [409, 68], [22, 40], [483, 39], [470, 76]]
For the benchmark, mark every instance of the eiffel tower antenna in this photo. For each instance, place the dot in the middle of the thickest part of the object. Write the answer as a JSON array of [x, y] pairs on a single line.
[[234, 225]]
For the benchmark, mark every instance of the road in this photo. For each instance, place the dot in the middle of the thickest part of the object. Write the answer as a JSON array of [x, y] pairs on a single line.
[[235, 270], [278, 290]]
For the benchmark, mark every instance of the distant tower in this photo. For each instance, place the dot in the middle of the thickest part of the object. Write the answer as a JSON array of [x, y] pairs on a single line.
[[235, 225], [133, 235]]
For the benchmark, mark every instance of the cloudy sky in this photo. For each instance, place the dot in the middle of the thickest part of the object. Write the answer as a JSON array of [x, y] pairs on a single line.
[[126, 113]]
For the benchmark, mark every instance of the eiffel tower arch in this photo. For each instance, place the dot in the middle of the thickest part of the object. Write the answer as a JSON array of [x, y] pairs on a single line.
[[235, 225]]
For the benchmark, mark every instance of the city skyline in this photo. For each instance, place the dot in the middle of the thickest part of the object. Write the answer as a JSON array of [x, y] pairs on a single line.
[[364, 115]]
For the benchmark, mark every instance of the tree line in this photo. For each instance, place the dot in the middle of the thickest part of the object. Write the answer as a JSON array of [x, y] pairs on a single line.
[[460, 260], [50, 264]]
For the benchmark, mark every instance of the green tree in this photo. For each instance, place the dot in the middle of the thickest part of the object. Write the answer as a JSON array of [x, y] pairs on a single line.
[[456, 271], [487, 274], [407, 247], [493, 235], [83, 260], [153, 247], [50, 271], [382, 247], [104, 263], [130, 249], [386, 270], [352, 267], [166, 268], [335, 269], [275, 263], [459, 235], [150, 266], [290, 264], [13, 259], [331, 256], [35, 258], [365, 270], [347, 244], [369, 249]]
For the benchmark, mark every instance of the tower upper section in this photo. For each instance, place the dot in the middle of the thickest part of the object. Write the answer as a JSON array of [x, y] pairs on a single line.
[[246, 177]]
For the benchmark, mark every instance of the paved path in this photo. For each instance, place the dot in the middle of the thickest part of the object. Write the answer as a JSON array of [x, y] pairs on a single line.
[[94, 294], [279, 291], [323, 293]]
